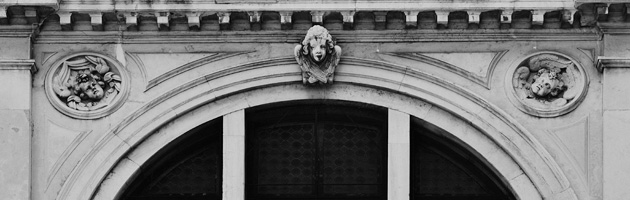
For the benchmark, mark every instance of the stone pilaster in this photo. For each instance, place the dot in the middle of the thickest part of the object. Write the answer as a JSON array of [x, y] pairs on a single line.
[[234, 155], [616, 118], [398, 155], [16, 68]]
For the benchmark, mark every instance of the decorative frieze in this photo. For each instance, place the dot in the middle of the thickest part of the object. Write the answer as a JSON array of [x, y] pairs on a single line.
[[86, 85], [387, 14], [548, 84], [413, 18]]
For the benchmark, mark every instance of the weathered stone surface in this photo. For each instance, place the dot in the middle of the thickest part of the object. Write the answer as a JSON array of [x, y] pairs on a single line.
[[17, 89], [398, 155], [164, 53], [15, 151], [615, 161], [234, 155], [616, 94], [15, 48]]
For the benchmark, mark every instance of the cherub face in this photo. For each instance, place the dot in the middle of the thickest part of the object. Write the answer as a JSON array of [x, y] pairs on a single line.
[[545, 83], [318, 49], [92, 90]]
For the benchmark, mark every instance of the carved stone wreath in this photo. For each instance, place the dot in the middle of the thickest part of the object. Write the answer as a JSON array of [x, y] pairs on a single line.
[[86, 85], [548, 84]]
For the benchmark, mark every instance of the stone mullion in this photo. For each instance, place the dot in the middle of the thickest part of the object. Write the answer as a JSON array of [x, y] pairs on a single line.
[[234, 155], [398, 155]]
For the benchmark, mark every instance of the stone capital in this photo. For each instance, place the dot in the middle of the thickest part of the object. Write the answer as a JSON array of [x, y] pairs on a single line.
[[26, 64], [612, 62]]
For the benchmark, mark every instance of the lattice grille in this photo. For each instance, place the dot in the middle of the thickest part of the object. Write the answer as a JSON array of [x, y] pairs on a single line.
[[196, 175], [438, 176], [337, 160], [350, 161], [286, 157]]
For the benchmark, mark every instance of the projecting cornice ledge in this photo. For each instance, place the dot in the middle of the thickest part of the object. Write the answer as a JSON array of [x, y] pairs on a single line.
[[47, 3], [295, 36], [614, 28], [612, 62], [27, 64]]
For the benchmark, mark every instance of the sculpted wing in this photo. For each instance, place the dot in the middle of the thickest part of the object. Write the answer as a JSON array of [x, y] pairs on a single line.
[[297, 54], [335, 61], [337, 55]]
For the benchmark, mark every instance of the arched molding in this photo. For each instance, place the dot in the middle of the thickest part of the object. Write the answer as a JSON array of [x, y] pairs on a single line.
[[517, 156]]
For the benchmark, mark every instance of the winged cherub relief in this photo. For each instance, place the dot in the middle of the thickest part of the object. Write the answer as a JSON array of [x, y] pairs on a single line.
[[546, 79], [86, 83], [318, 56]]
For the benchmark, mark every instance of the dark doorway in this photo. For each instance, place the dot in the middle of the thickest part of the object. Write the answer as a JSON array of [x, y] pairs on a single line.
[[316, 150], [189, 168], [442, 169]]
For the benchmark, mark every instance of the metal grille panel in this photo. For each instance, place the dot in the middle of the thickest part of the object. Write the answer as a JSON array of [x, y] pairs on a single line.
[[439, 176], [349, 164], [285, 160], [196, 175]]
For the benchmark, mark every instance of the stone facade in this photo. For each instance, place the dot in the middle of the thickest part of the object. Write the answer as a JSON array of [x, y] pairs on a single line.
[[534, 87]]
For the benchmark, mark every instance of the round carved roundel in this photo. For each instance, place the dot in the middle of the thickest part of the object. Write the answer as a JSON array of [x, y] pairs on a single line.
[[87, 85], [547, 84]]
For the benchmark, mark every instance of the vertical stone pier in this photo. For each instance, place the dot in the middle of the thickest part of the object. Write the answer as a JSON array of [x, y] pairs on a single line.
[[615, 65], [16, 68], [399, 155]]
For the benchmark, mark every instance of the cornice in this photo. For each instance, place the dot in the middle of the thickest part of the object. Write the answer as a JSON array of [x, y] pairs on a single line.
[[307, 5], [16, 31], [294, 36], [614, 28], [47, 3]]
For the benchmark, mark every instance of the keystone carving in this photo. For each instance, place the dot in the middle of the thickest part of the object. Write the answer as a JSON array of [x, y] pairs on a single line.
[[85, 85], [546, 82], [318, 56]]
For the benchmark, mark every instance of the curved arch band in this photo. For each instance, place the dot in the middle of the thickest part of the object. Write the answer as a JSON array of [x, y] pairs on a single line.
[[517, 156]]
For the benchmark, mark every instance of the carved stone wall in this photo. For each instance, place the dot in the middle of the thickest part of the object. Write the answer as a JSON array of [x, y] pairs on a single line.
[[465, 68], [170, 75]]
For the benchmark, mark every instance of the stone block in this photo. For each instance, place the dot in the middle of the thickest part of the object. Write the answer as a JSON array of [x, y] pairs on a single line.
[[522, 185], [15, 48], [117, 179], [16, 90], [616, 148], [617, 45], [15, 151], [616, 93]]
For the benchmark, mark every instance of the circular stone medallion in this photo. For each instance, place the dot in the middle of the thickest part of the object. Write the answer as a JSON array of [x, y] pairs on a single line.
[[87, 85], [547, 84]]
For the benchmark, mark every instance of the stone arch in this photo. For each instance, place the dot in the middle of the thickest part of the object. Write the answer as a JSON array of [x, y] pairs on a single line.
[[518, 157]]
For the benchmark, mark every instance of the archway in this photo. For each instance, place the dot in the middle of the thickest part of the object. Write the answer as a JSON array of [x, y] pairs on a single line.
[[518, 158], [318, 149]]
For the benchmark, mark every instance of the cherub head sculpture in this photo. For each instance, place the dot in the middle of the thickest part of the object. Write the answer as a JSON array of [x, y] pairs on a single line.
[[90, 87], [317, 56], [546, 82], [318, 43]]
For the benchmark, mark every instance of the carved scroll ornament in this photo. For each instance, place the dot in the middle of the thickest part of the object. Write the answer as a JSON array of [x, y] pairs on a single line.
[[86, 85], [318, 56], [547, 83]]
